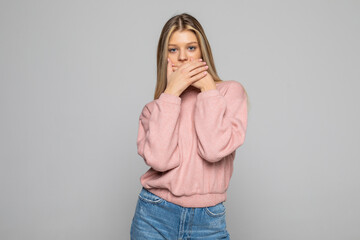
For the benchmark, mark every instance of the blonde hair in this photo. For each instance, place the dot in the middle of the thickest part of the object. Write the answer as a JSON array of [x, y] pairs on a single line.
[[181, 22]]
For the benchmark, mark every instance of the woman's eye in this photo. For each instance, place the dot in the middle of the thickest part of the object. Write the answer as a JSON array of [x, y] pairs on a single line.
[[192, 48]]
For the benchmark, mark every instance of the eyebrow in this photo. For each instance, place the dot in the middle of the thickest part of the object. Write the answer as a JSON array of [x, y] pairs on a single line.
[[187, 43]]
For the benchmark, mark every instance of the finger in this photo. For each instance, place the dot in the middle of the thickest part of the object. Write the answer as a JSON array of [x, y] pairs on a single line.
[[191, 62], [198, 76], [198, 70], [196, 65], [169, 67], [169, 64]]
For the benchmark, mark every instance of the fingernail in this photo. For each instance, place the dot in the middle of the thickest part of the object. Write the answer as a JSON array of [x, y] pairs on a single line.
[[200, 59]]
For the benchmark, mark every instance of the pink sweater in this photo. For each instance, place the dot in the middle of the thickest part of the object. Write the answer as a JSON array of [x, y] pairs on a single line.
[[189, 143]]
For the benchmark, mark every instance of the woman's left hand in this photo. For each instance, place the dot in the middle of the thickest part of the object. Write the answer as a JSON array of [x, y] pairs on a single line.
[[207, 80]]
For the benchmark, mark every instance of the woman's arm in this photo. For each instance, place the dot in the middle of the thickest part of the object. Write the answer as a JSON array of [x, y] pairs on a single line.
[[220, 121], [158, 133]]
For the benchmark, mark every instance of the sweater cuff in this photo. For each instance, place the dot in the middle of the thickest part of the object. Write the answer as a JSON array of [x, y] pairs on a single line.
[[208, 93], [167, 97]]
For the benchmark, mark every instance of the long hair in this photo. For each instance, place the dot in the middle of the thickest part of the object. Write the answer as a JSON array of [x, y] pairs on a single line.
[[181, 22]]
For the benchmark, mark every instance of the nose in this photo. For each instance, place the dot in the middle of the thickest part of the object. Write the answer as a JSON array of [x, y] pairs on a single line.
[[182, 56]]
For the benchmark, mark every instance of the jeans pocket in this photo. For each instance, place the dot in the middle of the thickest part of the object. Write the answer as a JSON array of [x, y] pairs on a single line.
[[149, 197], [216, 211]]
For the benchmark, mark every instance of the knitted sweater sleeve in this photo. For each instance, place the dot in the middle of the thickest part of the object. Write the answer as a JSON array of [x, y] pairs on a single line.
[[158, 133], [220, 121]]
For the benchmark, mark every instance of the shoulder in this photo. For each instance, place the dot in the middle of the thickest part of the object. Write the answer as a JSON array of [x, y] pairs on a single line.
[[163, 98], [147, 109], [232, 88]]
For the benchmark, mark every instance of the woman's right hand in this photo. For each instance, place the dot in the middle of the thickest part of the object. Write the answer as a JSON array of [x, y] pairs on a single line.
[[184, 76]]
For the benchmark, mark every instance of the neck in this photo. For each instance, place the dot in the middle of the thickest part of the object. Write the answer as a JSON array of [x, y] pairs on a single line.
[[192, 88]]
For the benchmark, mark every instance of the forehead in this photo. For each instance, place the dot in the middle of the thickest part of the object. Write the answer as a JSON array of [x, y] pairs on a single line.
[[183, 37]]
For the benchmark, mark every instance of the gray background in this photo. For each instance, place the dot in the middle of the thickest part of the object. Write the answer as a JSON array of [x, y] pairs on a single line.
[[76, 74]]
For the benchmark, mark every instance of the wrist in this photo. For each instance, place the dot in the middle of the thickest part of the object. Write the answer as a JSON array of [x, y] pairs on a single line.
[[167, 91], [207, 87]]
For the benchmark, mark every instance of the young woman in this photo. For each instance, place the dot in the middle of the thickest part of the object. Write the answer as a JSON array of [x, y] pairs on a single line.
[[187, 136]]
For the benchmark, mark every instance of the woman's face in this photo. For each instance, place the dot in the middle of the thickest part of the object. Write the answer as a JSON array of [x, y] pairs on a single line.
[[182, 46]]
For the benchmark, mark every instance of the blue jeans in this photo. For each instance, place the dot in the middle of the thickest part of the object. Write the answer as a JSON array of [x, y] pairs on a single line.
[[155, 218]]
